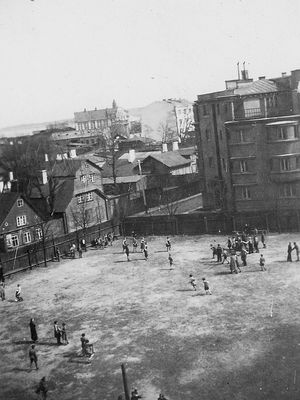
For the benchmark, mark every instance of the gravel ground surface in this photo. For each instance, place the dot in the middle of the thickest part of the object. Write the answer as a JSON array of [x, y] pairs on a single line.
[[242, 342]]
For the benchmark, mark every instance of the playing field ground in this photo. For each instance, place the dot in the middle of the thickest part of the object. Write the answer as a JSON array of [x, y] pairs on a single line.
[[241, 343]]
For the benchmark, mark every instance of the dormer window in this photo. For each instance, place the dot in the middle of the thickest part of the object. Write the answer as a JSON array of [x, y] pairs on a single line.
[[20, 202]]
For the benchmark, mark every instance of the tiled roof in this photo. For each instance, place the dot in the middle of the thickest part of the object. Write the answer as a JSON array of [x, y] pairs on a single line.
[[95, 115], [260, 86], [7, 200], [123, 168], [171, 159], [139, 155]]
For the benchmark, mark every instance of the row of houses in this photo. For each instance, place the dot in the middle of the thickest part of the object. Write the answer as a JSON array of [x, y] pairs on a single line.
[[72, 194]]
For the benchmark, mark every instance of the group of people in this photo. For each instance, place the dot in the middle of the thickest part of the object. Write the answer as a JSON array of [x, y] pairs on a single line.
[[205, 282], [60, 333], [103, 241], [143, 247]]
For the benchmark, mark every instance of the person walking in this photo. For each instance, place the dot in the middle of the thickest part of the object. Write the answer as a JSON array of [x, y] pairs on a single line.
[[237, 263], [225, 256], [32, 326], [142, 245], [64, 337], [206, 286], [127, 252], [134, 244], [168, 244], [255, 244], [289, 252], [124, 245], [193, 282], [296, 248], [2, 291], [263, 239], [244, 257], [42, 388], [57, 333], [146, 251], [33, 356], [262, 263], [232, 265]]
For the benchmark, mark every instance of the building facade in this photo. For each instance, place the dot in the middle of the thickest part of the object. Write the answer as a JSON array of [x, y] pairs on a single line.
[[248, 139]]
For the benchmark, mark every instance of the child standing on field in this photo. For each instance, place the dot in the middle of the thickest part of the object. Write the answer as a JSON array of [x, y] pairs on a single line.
[[193, 282], [206, 286], [262, 262]]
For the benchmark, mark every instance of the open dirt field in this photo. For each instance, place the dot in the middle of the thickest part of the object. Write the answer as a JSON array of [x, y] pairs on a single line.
[[242, 343]]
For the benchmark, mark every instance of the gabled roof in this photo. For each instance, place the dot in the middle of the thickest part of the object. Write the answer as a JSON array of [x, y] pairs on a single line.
[[95, 115], [7, 200], [171, 159], [139, 155], [69, 167]]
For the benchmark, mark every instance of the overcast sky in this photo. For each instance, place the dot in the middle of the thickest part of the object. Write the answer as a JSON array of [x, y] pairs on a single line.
[[59, 56]]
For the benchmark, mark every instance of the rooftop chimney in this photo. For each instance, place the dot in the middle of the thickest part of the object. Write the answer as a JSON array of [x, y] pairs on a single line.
[[283, 74], [46, 158], [11, 176], [44, 176], [164, 147], [131, 155], [261, 77], [175, 146], [72, 153]]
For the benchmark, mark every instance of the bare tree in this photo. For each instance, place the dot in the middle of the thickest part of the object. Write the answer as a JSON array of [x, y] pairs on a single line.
[[167, 133]]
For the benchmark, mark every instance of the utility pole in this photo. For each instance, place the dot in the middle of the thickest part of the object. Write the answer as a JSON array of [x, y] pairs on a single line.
[[125, 384]]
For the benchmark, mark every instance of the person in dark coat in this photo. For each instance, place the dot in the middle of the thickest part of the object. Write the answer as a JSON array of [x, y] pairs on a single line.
[[289, 251], [42, 388], [219, 253], [57, 333], [127, 253], [263, 239], [244, 257], [34, 336], [296, 248], [1, 274]]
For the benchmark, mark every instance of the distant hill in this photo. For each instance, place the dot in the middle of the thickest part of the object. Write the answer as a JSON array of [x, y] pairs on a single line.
[[27, 129], [153, 116]]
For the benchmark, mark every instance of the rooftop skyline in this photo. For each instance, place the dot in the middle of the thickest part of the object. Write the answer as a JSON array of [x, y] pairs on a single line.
[[61, 57]]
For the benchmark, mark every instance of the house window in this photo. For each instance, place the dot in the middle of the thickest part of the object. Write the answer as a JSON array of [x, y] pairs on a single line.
[[210, 162], [243, 166], [89, 196], [21, 220], [39, 233], [20, 202], [27, 237], [285, 164], [287, 190], [80, 199], [83, 178], [92, 177], [14, 240], [207, 134], [246, 195]]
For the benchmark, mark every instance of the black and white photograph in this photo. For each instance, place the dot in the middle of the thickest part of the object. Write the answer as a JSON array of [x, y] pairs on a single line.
[[149, 200]]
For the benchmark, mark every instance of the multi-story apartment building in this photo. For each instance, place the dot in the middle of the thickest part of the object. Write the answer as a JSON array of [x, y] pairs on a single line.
[[248, 139]]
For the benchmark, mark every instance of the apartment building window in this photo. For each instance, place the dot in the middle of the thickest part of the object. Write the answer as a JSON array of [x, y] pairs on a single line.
[[282, 134], [14, 240], [243, 166], [93, 125], [86, 125], [83, 178], [27, 237], [285, 164], [207, 134], [298, 162], [80, 199], [204, 109], [89, 196], [21, 220], [20, 203], [210, 162], [246, 195], [287, 190]]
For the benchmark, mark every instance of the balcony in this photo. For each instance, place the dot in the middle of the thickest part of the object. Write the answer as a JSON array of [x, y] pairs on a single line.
[[252, 113]]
